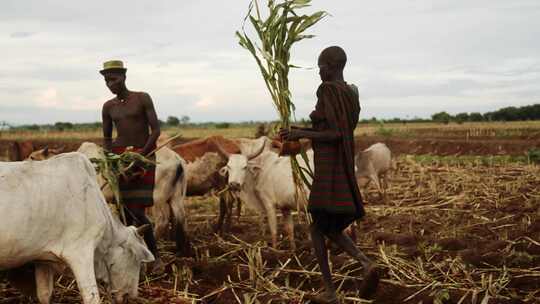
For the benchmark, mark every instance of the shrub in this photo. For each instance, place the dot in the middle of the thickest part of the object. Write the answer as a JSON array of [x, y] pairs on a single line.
[[534, 156], [223, 125]]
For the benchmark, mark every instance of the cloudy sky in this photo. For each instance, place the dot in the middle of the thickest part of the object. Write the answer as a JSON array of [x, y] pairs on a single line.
[[409, 58]]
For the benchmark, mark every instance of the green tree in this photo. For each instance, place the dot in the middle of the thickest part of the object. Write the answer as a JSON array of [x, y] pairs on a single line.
[[173, 121], [441, 117], [184, 119], [461, 117], [61, 126], [475, 116]]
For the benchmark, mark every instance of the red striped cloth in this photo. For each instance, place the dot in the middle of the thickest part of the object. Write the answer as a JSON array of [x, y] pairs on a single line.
[[334, 190], [137, 192]]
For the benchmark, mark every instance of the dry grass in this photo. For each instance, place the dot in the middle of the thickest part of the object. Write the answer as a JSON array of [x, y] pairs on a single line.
[[453, 130], [96, 134], [460, 233]]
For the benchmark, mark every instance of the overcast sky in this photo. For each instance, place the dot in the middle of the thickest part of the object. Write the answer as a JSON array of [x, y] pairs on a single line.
[[408, 58]]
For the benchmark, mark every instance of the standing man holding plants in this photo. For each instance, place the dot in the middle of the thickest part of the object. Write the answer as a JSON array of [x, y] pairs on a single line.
[[137, 127], [335, 201]]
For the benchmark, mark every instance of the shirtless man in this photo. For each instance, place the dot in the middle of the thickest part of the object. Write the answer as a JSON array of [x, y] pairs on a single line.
[[137, 126], [335, 201]]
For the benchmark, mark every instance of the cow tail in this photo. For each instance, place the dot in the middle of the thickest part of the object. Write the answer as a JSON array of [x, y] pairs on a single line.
[[183, 246]]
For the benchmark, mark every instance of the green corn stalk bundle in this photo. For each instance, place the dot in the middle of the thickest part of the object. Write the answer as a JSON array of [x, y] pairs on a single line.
[[113, 167], [277, 33]]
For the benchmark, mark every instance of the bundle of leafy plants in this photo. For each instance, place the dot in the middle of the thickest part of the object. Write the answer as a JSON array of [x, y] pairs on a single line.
[[278, 28], [114, 167]]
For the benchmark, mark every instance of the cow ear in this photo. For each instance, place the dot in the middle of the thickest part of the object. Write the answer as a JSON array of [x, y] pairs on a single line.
[[46, 151], [223, 171], [147, 256], [254, 169]]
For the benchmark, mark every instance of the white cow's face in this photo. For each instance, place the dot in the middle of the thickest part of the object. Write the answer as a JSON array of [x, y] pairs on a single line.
[[123, 264], [236, 169]]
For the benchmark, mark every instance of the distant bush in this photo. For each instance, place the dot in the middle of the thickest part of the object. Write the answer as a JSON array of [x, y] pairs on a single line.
[[223, 125], [534, 156], [383, 131], [61, 126]]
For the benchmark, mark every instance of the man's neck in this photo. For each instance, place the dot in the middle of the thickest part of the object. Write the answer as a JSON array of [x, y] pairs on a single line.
[[338, 77], [123, 95]]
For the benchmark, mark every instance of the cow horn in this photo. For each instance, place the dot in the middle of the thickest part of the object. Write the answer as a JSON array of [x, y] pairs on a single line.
[[259, 151], [60, 149], [221, 150], [141, 230]]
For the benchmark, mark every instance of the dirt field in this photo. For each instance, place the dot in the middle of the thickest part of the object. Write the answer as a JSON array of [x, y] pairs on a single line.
[[444, 233], [467, 232], [398, 145]]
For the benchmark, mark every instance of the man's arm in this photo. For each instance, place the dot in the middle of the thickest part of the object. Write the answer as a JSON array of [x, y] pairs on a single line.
[[324, 106], [327, 135], [151, 115], [107, 128]]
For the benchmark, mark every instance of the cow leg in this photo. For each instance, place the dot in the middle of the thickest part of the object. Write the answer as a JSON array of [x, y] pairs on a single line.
[[289, 227], [83, 268], [44, 283], [384, 184], [161, 217], [222, 213], [375, 180], [183, 245], [272, 221], [228, 218], [238, 209]]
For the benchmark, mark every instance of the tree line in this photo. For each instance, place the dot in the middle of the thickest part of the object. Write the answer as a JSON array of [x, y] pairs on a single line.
[[530, 112]]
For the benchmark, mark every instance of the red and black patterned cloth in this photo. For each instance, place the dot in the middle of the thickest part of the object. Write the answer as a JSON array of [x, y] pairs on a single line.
[[335, 200], [139, 191]]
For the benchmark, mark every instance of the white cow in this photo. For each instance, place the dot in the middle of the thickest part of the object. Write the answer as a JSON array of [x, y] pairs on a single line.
[[373, 164], [53, 214], [169, 193], [264, 182]]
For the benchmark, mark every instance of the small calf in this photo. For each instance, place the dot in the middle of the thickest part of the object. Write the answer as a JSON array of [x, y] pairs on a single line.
[[372, 164]]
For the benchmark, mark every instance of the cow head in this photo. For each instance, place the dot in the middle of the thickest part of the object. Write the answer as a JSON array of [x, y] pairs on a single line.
[[237, 166], [44, 153], [120, 266]]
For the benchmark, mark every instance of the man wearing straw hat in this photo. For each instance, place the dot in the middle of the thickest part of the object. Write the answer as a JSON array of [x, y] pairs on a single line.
[[137, 128], [335, 201]]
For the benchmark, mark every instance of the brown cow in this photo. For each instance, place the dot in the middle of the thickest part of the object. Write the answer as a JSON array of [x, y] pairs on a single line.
[[20, 150], [204, 161], [203, 165], [45, 153], [194, 149]]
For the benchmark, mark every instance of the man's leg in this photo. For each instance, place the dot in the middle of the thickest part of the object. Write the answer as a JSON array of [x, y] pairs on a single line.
[[321, 252], [345, 243], [371, 274], [140, 219]]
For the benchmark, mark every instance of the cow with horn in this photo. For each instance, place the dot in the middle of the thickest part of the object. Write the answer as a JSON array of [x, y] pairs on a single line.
[[264, 181]]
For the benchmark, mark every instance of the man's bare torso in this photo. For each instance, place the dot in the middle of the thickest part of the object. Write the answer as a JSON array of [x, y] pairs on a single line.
[[129, 118]]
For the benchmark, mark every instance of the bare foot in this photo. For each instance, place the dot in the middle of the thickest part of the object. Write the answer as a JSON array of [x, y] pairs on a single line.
[[324, 298], [370, 282], [158, 267]]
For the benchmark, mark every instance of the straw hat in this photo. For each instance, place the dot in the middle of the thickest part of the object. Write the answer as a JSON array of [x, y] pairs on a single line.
[[113, 66]]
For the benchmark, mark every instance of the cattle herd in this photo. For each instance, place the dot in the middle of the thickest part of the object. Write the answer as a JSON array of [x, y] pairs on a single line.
[[55, 215]]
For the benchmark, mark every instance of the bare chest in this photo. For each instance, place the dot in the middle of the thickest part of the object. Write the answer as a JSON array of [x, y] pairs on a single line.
[[130, 110]]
